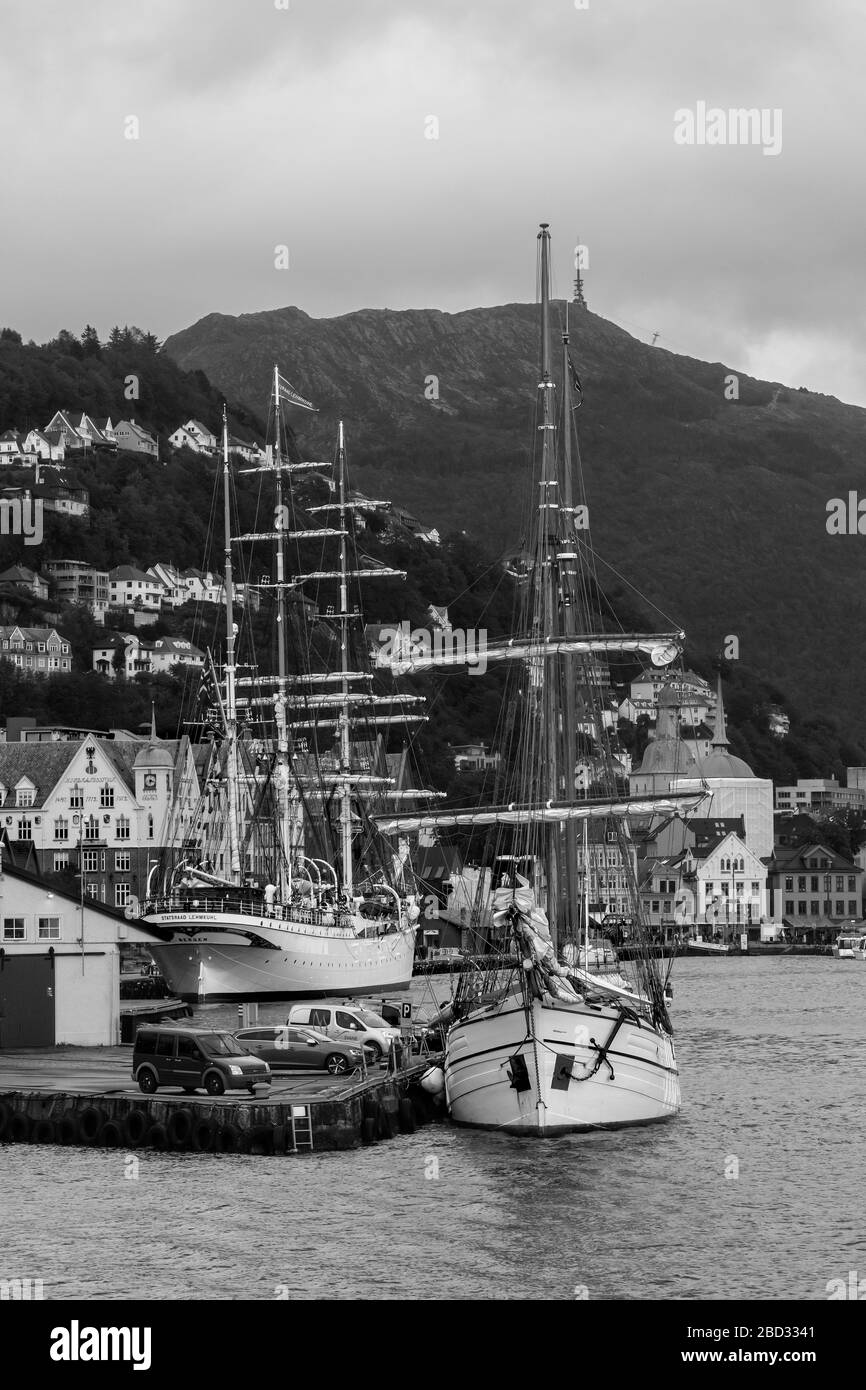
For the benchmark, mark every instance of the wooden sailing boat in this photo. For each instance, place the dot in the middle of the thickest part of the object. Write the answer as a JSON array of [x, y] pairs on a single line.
[[546, 1047], [267, 900]]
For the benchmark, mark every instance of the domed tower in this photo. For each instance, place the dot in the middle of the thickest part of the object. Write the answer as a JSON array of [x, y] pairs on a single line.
[[735, 790], [153, 771], [667, 758]]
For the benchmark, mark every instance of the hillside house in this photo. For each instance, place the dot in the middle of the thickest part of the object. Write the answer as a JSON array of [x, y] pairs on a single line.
[[129, 587], [194, 435], [78, 582], [39, 650], [61, 426], [128, 655], [19, 577], [12, 448], [38, 445], [132, 438]]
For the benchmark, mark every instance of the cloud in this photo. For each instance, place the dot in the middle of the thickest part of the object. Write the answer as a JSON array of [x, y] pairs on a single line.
[[306, 127]]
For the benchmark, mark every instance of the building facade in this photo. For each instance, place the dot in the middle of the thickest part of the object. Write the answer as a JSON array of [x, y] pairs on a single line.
[[104, 808], [78, 582], [41, 650]]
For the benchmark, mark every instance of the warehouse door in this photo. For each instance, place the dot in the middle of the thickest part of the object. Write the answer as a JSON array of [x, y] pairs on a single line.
[[26, 1001]]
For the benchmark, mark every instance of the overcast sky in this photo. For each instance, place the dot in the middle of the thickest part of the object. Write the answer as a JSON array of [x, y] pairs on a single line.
[[261, 126]]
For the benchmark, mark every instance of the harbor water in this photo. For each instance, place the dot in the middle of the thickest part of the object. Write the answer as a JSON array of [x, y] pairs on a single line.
[[748, 1194]]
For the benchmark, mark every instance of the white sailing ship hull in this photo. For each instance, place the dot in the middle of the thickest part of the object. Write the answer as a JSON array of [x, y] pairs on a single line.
[[553, 1042], [232, 957]]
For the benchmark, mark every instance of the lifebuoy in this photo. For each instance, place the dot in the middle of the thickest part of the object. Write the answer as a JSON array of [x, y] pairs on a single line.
[[43, 1132], [179, 1127], [19, 1128], [228, 1139], [157, 1137], [135, 1127], [90, 1124], [111, 1135]]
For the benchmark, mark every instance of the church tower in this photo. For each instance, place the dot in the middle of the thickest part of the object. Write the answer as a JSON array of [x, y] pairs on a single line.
[[153, 771]]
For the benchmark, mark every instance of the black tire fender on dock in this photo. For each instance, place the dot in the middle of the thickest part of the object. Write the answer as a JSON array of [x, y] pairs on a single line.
[[406, 1116], [368, 1129], [43, 1132], [203, 1136], [228, 1139], [157, 1137], [68, 1129], [386, 1123], [90, 1124], [111, 1135], [134, 1127], [19, 1128], [179, 1126], [262, 1139], [370, 1108], [281, 1134], [5, 1114]]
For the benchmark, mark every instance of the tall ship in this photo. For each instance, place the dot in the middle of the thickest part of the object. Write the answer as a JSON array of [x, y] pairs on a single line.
[[543, 1044], [278, 884]]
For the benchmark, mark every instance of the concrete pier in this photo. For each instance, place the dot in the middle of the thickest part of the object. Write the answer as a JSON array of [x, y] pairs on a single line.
[[86, 1096]]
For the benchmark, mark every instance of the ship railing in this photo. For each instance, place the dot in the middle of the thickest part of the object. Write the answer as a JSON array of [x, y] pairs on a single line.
[[276, 912]]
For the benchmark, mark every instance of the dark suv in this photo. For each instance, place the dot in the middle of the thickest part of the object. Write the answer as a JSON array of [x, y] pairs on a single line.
[[168, 1055]]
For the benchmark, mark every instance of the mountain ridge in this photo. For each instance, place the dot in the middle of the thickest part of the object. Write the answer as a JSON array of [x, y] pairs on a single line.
[[713, 507]]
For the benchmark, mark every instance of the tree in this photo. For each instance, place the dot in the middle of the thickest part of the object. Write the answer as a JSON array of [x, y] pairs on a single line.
[[10, 335], [90, 342]]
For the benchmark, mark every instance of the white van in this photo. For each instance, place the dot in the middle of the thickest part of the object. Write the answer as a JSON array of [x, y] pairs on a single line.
[[349, 1022]]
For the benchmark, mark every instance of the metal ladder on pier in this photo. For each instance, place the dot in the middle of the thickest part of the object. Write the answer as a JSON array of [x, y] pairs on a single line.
[[301, 1128]]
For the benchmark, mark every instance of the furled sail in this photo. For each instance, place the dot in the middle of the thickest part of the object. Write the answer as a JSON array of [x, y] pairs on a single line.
[[450, 651], [549, 813]]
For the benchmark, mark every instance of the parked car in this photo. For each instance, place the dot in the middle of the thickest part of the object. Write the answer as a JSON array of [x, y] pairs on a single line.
[[289, 1049], [358, 1026], [171, 1055]]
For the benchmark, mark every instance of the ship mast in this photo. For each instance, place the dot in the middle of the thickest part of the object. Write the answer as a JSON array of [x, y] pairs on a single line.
[[568, 579], [282, 775], [231, 669], [548, 527], [345, 746]]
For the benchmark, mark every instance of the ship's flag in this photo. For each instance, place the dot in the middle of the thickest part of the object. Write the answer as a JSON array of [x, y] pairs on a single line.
[[290, 395], [575, 381]]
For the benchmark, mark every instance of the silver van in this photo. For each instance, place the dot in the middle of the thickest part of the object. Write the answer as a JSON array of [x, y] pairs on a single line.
[[349, 1022]]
